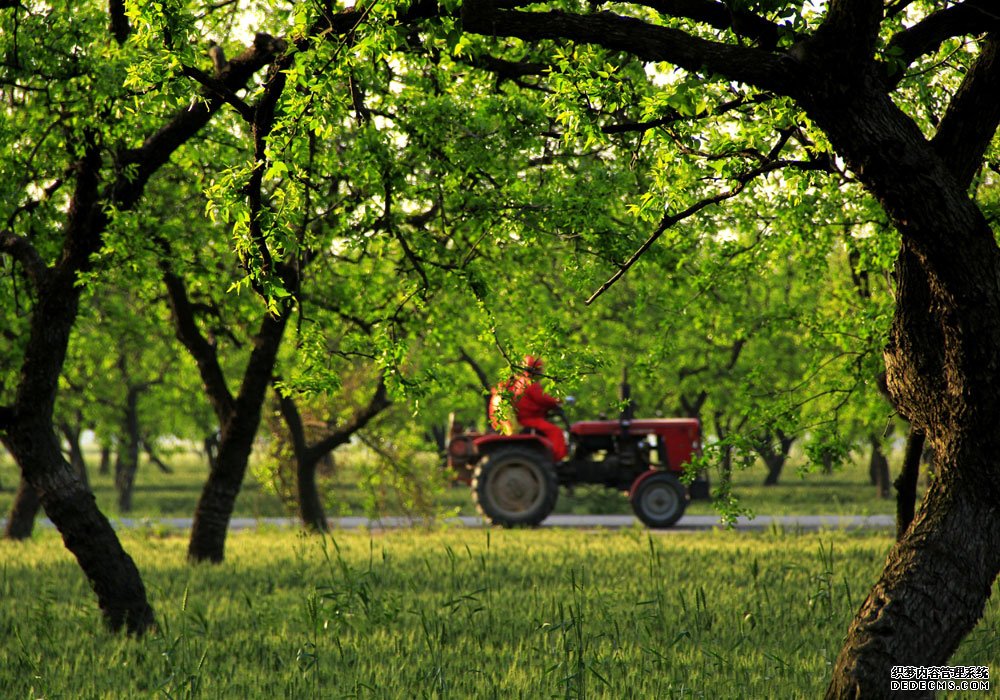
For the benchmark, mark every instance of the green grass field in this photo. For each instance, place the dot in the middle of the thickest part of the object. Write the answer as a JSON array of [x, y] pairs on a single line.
[[453, 613], [847, 491]]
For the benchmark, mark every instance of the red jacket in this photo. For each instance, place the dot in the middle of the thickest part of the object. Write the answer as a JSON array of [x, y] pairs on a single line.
[[530, 401]]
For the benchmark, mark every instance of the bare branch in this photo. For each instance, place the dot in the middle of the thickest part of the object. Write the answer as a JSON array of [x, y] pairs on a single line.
[[973, 115], [378, 403], [484, 380]]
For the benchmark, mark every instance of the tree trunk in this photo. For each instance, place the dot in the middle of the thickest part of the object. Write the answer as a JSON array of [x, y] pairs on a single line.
[[67, 501], [23, 511], [307, 457], [311, 509], [76, 460], [878, 467], [775, 460], [906, 483], [934, 586], [127, 464], [218, 497], [105, 466], [86, 532], [943, 377]]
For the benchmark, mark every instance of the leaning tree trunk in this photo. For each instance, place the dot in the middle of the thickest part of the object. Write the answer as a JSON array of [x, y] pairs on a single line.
[[218, 497], [30, 437], [70, 505], [942, 375]]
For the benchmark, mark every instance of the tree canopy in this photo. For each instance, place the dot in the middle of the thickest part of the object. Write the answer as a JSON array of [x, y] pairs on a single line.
[[777, 212]]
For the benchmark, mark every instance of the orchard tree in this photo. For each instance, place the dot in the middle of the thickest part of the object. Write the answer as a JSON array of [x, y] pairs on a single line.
[[902, 94], [80, 151]]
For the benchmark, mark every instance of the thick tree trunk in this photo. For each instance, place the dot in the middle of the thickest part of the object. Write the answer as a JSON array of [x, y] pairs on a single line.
[[934, 587], [23, 511], [70, 505], [67, 501], [941, 370]]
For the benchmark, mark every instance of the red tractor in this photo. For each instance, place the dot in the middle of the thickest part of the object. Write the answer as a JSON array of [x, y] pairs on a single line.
[[515, 480]]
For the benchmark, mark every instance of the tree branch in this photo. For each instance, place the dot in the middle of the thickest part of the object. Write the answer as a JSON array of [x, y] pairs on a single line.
[[967, 18], [120, 28], [219, 88], [203, 352], [646, 41], [378, 403], [293, 420], [669, 220], [720, 16], [484, 380], [158, 148], [973, 115], [21, 249]]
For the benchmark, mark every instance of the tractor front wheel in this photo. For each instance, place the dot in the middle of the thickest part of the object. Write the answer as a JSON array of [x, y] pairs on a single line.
[[659, 499], [515, 486]]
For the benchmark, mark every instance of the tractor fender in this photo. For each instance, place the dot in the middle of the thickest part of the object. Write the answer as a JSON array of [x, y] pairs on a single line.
[[489, 443]]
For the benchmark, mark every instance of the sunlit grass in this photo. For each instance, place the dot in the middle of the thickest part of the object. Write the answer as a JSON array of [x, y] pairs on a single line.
[[453, 613]]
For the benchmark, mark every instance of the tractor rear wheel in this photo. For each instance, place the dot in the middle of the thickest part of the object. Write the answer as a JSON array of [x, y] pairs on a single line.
[[659, 500], [515, 486]]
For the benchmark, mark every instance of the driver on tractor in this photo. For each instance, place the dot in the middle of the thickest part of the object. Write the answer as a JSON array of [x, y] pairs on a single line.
[[531, 405]]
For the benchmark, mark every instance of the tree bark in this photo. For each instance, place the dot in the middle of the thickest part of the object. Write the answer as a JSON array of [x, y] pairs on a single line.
[[239, 428], [934, 587]]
